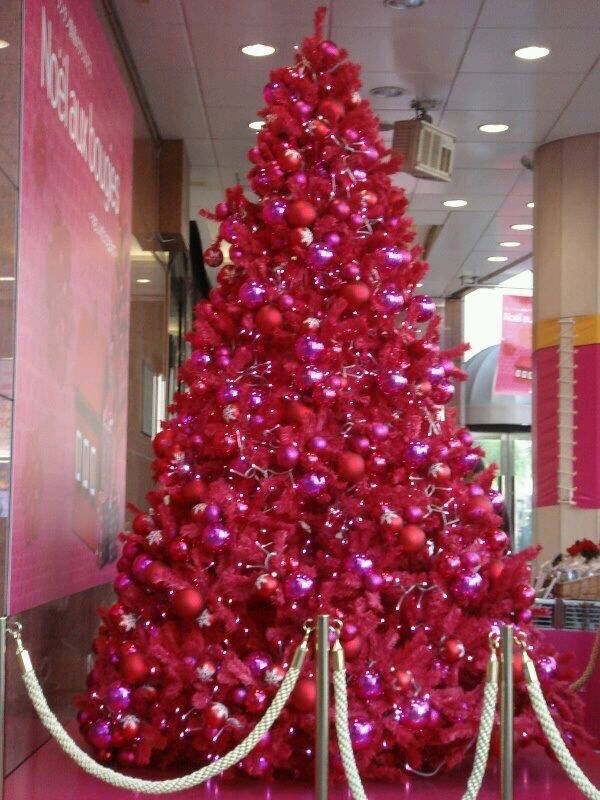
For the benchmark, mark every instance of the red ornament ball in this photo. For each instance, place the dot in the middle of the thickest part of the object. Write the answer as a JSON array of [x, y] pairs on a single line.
[[391, 521], [301, 214], [356, 294], [523, 595], [268, 319], [351, 467], [453, 650], [133, 668], [142, 524], [478, 507], [266, 585], [163, 442], [193, 492], [186, 603], [305, 695], [215, 716], [352, 648], [331, 110], [213, 257], [290, 159], [412, 538]]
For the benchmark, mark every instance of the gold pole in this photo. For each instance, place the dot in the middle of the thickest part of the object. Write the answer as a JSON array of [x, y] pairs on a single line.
[[322, 717], [506, 713]]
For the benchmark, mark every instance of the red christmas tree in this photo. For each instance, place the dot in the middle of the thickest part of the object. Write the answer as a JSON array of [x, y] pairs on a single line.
[[310, 468]]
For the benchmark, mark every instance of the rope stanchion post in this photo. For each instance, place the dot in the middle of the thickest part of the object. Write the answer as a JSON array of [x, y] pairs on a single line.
[[322, 715], [506, 713]]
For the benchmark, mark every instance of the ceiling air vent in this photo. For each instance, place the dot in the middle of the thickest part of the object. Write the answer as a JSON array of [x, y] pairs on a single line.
[[428, 152]]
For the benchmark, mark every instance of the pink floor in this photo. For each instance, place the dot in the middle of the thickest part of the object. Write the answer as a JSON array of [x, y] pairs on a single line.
[[49, 775]]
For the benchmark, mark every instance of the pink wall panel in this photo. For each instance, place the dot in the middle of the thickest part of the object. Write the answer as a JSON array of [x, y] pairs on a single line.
[[587, 421], [545, 424]]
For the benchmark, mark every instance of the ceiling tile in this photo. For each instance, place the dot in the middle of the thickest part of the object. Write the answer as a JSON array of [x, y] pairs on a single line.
[[232, 123], [201, 152], [492, 50], [250, 21], [415, 85], [427, 217], [512, 92], [472, 181], [524, 126], [581, 114], [234, 150], [404, 50], [433, 14], [492, 242], [434, 202], [176, 104], [491, 155], [540, 14]]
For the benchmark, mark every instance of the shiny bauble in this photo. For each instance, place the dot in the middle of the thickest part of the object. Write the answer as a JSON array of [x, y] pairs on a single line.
[[309, 348], [523, 595], [359, 563], [404, 679], [143, 524], [305, 695], [99, 734], [416, 454], [215, 715], [186, 603], [133, 668], [391, 522], [443, 393], [215, 537], [440, 473], [467, 588], [424, 306], [273, 212], [331, 110], [193, 492], [290, 159], [369, 684], [301, 237], [257, 663], [319, 255], [213, 257], [362, 732], [412, 538], [301, 214], [453, 650], [392, 382], [352, 648], [252, 294], [117, 698], [268, 319], [256, 700], [478, 508], [298, 585], [178, 550], [351, 467], [356, 294]]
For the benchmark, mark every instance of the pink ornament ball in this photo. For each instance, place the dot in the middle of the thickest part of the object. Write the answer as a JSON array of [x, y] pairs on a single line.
[[309, 349], [273, 211], [253, 294], [312, 484], [99, 734], [467, 587], [370, 684], [392, 382], [425, 307], [118, 698], [319, 255], [215, 537]]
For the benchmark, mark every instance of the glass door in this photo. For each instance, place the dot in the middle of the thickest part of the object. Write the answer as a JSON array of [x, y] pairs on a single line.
[[512, 454]]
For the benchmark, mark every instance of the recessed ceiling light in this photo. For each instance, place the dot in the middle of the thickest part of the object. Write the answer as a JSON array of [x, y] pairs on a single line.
[[522, 226], [387, 91], [454, 203], [257, 125], [419, 285], [510, 244], [403, 5], [530, 204], [143, 280], [532, 52], [497, 259], [258, 50], [4, 44], [7, 278], [493, 127]]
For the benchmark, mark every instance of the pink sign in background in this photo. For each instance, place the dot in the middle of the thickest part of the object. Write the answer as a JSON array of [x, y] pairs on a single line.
[[73, 306], [514, 374]]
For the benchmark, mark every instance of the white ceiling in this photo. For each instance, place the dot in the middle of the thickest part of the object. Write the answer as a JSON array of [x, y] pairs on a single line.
[[459, 52]]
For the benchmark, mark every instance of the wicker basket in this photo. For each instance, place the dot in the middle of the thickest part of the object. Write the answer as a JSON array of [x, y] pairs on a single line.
[[587, 588]]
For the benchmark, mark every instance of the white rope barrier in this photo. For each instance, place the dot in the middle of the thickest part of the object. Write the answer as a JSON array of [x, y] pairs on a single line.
[[490, 694], [117, 779], [539, 705]]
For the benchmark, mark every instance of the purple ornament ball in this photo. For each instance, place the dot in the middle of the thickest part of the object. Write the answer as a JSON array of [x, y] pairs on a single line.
[[118, 698], [425, 307], [214, 537], [298, 585], [273, 211], [99, 734], [252, 294], [467, 588], [309, 349], [416, 454], [392, 382], [359, 563], [370, 684], [362, 732], [312, 484], [319, 255]]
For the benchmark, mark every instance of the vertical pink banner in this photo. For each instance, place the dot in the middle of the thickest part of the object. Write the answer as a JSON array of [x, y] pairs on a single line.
[[586, 444], [545, 426], [73, 306], [514, 374]]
